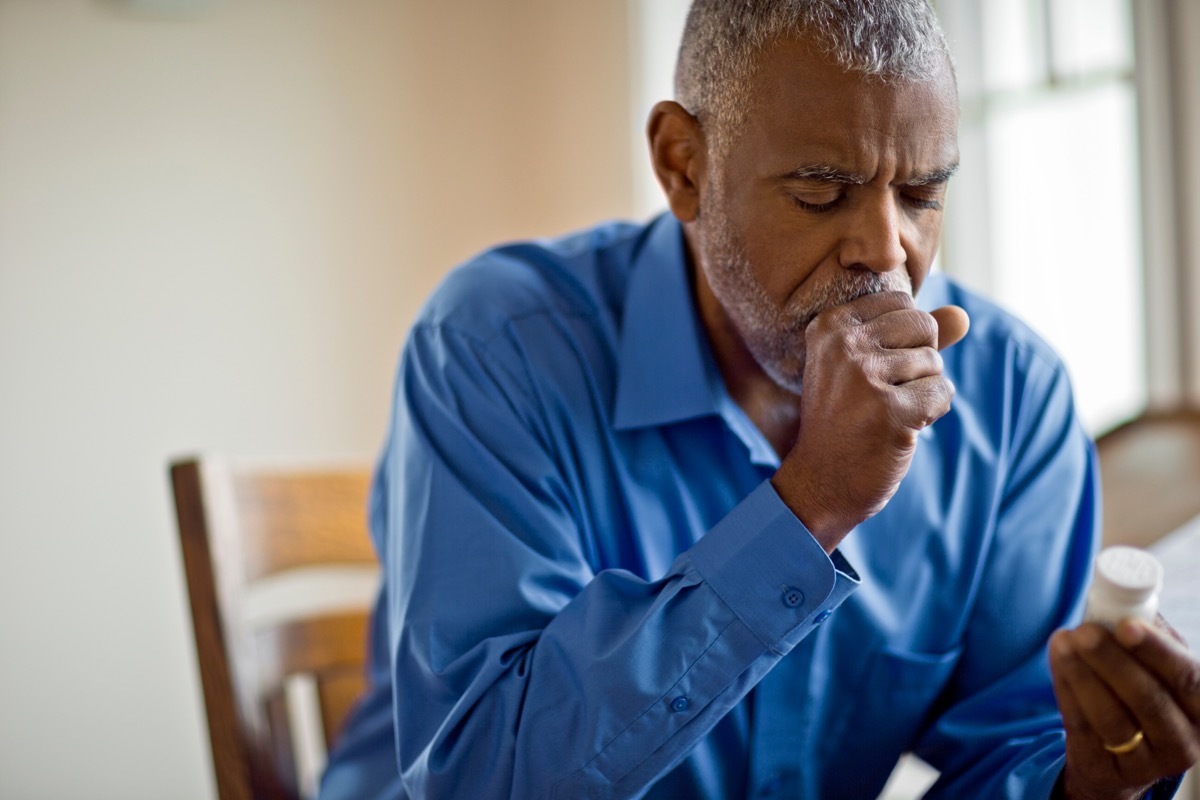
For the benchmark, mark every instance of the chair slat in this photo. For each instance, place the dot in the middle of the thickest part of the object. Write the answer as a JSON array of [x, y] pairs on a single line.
[[290, 520], [311, 645]]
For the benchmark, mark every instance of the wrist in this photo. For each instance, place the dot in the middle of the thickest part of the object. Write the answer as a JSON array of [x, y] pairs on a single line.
[[826, 524]]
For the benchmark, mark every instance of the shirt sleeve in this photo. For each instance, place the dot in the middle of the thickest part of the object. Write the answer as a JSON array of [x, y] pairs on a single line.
[[520, 670], [999, 733]]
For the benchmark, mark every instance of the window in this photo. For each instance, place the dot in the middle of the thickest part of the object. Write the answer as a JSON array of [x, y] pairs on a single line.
[[1044, 214]]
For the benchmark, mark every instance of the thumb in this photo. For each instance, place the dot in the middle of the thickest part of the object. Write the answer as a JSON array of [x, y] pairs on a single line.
[[952, 323]]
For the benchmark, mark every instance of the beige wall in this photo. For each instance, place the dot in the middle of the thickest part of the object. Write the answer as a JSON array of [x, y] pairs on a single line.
[[214, 230]]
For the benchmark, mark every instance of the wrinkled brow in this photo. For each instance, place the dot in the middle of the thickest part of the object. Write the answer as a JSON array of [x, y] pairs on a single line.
[[825, 172], [936, 176], [832, 174]]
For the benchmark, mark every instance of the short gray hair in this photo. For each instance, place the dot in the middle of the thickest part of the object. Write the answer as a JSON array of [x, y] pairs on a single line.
[[722, 41]]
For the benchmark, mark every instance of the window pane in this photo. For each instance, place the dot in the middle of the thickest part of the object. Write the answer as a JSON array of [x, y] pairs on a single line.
[[1013, 45], [1091, 35], [1064, 200]]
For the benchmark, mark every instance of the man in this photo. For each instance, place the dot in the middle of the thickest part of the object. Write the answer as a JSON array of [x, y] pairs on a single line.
[[698, 509]]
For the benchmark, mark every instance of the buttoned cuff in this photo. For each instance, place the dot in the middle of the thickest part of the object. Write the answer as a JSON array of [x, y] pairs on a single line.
[[767, 567]]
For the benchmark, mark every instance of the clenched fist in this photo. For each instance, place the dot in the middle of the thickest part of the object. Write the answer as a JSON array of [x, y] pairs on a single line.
[[872, 380]]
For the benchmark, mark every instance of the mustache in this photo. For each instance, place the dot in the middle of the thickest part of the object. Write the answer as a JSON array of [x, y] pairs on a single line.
[[848, 286]]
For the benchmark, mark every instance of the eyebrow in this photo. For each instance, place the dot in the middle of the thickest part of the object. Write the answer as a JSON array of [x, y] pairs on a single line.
[[824, 172], [832, 174], [940, 175]]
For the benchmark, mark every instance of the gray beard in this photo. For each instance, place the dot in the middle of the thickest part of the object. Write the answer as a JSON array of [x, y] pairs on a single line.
[[774, 334]]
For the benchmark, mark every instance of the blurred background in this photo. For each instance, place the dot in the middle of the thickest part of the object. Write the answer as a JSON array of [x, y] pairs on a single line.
[[218, 217]]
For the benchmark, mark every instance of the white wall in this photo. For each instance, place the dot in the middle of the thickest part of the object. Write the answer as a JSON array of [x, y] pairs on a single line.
[[214, 230]]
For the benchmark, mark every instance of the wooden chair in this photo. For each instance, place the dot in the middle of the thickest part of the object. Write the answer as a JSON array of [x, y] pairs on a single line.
[[281, 574]]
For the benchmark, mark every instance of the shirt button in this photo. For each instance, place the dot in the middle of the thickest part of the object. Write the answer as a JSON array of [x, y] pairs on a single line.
[[824, 615], [680, 703], [792, 597]]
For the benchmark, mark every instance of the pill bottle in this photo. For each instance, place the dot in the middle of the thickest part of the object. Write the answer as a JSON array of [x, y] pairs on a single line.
[[1126, 584]]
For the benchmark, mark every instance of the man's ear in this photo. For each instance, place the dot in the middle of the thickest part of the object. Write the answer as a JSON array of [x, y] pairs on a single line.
[[677, 152]]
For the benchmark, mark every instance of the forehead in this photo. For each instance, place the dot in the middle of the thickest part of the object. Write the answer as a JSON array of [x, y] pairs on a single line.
[[803, 107]]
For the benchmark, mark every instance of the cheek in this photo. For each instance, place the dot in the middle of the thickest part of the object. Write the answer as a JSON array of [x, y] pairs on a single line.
[[923, 240], [783, 267], [921, 253], [783, 254]]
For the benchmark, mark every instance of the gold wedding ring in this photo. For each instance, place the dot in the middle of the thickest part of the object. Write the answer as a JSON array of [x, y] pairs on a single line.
[[1126, 747]]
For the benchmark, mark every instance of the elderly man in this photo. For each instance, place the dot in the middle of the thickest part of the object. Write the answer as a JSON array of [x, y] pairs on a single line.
[[697, 509]]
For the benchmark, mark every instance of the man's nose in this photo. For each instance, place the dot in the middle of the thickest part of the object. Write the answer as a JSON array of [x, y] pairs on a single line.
[[874, 238]]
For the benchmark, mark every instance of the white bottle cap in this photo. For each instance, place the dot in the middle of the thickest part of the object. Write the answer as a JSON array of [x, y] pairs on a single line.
[[1128, 575]]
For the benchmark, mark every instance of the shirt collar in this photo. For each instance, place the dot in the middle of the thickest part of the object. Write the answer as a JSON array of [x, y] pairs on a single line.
[[666, 368], [667, 371]]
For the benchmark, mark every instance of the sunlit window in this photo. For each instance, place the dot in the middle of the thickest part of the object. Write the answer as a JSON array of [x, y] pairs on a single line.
[[1044, 215]]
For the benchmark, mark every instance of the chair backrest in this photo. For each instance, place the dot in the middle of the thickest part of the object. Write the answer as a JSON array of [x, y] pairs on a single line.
[[281, 574]]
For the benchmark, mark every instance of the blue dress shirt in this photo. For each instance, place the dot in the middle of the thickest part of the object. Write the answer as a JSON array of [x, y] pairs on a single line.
[[591, 588]]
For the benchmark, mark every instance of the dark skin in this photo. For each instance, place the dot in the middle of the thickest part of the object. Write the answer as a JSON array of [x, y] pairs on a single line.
[[1110, 686], [833, 172]]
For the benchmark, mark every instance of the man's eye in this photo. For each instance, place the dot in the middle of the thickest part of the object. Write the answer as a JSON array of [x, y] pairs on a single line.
[[923, 202], [818, 203]]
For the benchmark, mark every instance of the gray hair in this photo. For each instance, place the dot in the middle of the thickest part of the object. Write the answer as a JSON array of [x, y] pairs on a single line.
[[722, 41]]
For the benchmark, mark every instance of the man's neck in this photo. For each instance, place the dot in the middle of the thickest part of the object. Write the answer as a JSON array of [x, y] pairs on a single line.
[[774, 410]]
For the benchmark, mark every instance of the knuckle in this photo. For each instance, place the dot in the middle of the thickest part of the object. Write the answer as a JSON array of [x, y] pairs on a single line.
[[938, 397], [874, 364], [936, 363], [835, 318], [826, 325], [945, 391], [927, 326], [853, 347]]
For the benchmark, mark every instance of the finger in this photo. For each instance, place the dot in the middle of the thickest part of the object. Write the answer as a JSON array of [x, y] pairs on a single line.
[[902, 329], [870, 306], [898, 367], [1103, 710], [953, 324], [1085, 746], [1157, 713], [921, 402], [1075, 722], [1174, 666]]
